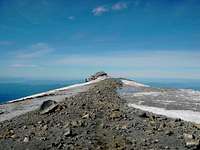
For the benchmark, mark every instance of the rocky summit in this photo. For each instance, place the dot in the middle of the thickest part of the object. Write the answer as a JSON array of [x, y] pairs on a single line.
[[96, 76], [96, 119]]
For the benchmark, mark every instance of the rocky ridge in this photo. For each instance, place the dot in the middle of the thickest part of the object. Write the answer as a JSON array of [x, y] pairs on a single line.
[[96, 76], [96, 119]]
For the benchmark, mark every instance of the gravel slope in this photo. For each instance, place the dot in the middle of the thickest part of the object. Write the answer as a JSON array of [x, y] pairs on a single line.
[[97, 119]]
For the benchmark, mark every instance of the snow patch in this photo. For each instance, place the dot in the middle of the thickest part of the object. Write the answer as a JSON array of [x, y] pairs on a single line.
[[60, 89], [190, 91], [186, 115], [147, 94], [133, 83]]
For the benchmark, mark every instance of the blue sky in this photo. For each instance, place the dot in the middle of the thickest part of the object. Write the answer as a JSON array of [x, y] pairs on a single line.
[[65, 39]]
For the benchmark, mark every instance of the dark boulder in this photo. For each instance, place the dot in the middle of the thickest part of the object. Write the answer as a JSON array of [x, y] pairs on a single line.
[[96, 75], [1, 112], [48, 106]]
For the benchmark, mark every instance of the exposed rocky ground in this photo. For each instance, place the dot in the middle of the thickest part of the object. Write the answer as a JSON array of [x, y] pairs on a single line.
[[96, 119], [96, 76], [30, 103]]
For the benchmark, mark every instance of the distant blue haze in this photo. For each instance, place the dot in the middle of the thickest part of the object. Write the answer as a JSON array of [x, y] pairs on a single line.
[[13, 90], [63, 41]]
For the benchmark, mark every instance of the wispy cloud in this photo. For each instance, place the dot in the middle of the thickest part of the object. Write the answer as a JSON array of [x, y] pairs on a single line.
[[144, 60], [98, 11], [34, 51], [23, 66], [120, 6], [168, 64]]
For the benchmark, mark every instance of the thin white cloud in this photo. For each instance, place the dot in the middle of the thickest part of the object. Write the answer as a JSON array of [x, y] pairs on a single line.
[[98, 11], [35, 50], [120, 6], [71, 18], [144, 60], [23, 66], [169, 64]]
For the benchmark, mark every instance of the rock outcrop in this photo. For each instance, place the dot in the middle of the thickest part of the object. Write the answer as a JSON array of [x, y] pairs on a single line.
[[96, 75], [48, 106], [96, 119]]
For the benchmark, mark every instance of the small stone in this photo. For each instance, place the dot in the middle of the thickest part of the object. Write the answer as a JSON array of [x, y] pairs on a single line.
[[58, 125], [13, 136], [39, 122], [45, 127], [11, 132], [156, 141], [74, 123], [149, 132], [77, 123], [166, 147], [67, 124], [1, 112], [192, 143], [125, 126], [68, 132], [43, 138], [26, 139], [115, 114], [97, 91], [197, 126], [24, 127], [48, 106], [60, 145], [190, 140], [177, 120], [180, 136], [115, 109], [144, 140], [142, 114], [152, 123], [87, 116], [102, 125], [168, 132], [188, 136]]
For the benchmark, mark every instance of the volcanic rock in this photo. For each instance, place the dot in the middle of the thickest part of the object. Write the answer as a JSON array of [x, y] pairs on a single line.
[[26, 139], [96, 119], [48, 106], [96, 75]]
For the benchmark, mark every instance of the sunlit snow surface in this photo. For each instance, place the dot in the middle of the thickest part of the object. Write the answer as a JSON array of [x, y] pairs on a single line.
[[133, 83], [26, 104], [182, 103], [175, 103]]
